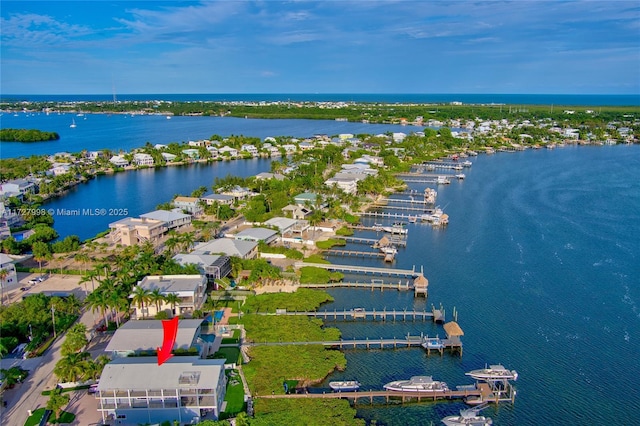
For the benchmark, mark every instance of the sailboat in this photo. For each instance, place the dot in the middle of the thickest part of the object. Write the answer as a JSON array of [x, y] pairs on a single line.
[[73, 123]]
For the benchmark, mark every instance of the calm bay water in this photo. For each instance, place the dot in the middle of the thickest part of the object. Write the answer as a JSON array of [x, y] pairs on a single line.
[[125, 132], [541, 261]]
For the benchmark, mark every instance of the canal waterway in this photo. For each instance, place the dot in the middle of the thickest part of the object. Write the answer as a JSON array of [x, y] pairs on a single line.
[[541, 260]]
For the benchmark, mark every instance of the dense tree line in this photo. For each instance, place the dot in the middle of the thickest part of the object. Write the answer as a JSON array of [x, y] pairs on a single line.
[[27, 135]]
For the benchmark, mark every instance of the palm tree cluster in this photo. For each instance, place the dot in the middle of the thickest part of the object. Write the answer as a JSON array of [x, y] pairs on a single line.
[[76, 365], [179, 242], [142, 297]]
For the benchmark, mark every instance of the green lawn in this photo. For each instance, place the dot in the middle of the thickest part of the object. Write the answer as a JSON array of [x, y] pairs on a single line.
[[235, 394], [36, 416], [231, 355]]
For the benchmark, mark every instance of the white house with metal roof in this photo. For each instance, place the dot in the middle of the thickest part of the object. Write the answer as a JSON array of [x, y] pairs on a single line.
[[191, 289], [136, 336], [214, 266], [257, 235], [137, 390], [229, 247], [173, 218]]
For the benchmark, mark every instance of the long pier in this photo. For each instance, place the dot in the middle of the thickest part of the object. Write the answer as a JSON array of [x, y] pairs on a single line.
[[363, 269], [355, 253], [364, 314], [373, 241], [480, 393], [408, 341], [403, 208], [399, 200], [387, 215], [373, 285]]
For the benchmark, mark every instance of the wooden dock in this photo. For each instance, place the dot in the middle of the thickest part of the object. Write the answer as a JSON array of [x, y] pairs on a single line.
[[386, 395], [404, 208], [373, 285], [395, 240], [355, 253], [412, 273], [356, 313], [380, 201]]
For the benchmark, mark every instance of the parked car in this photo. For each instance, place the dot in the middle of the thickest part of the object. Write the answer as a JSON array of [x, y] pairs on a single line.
[[93, 388], [33, 281]]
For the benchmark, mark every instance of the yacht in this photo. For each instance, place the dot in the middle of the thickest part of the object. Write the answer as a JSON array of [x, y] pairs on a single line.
[[493, 372], [345, 385], [442, 180], [417, 384], [468, 417], [389, 249], [73, 123]]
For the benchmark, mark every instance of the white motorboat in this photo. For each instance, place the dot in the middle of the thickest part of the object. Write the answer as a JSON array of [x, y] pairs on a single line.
[[345, 385], [389, 249], [461, 176], [468, 417], [417, 384], [493, 372], [442, 180]]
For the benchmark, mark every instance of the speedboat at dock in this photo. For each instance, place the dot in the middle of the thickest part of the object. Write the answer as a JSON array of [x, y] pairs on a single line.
[[417, 384], [493, 372], [468, 417], [345, 385]]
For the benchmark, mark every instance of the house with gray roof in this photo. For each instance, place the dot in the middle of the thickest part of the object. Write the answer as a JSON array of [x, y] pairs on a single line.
[[257, 234], [137, 390], [214, 266], [228, 247], [172, 218], [134, 337], [191, 289]]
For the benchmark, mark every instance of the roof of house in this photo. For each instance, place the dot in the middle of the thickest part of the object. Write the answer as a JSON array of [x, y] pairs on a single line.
[[140, 373], [255, 234], [181, 199], [172, 283], [217, 197], [165, 215], [196, 259], [227, 246], [132, 222], [147, 335], [309, 196], [281, 223]]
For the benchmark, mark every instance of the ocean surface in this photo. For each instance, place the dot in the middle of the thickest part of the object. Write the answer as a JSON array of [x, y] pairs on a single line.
[[468, 98], [540, 259]]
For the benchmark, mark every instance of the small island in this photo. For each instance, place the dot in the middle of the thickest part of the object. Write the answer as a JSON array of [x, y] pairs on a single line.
[[27, 135]]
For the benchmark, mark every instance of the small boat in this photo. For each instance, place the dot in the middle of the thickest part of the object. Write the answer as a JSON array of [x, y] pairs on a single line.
[[417, 384], [345, 385], [389, 250], [493, 372], [467, 163], [413, 219], [460, 176], [399, 230], [73, 123], [442, 180], [468, 417]]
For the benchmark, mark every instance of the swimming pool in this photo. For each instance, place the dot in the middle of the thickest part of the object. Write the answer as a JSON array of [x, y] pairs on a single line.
[[217, 315]]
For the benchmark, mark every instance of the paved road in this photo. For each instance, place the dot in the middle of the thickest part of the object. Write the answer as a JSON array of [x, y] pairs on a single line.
[[27, 396]]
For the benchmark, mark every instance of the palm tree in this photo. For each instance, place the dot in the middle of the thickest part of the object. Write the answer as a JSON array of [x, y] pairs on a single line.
[[172, 299], [140, 296], [3, 276], [118, 302], [173, 242], [89, 276], [72, 367], [84, 258], [98, 301], [187, 241], [156, 296], [41, 252]]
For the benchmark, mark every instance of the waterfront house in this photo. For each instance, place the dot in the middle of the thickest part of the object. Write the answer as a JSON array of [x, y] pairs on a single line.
[[213, 266], [7, 264], [221, 199], [306, 145], [228, 247], [267, 175], [139, 391], [131, 231], [290, 148], [213, 151], [142, 159], [160, 146], [119, 161], [227, 151], [251, 149], [257, 234], [189, 204], [172, 218], [191, 289], [58, 169], [17, 188], [192, 153], [168, 157], [398, 136], [134, 337]]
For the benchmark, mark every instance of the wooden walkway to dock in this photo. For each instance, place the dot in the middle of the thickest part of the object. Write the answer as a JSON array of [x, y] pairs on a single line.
[[404, 208], [387, 215], [387, 395], [355, 253], [379, 201], [373, 241], [363, 269], [355, 313], [367, 286]]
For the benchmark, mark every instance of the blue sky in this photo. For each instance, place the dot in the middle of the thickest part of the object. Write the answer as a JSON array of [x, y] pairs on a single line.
[[93, 47]]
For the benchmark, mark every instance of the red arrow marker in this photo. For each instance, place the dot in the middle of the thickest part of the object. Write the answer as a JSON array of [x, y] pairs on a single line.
[[170, 332]]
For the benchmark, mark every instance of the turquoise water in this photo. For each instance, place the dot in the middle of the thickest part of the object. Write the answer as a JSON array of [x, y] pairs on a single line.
[[541, 261]]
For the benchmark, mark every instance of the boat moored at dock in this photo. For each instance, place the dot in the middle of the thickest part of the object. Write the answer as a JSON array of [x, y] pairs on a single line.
[[493, 372], [417, 384], [468, 417], [345, 385]]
